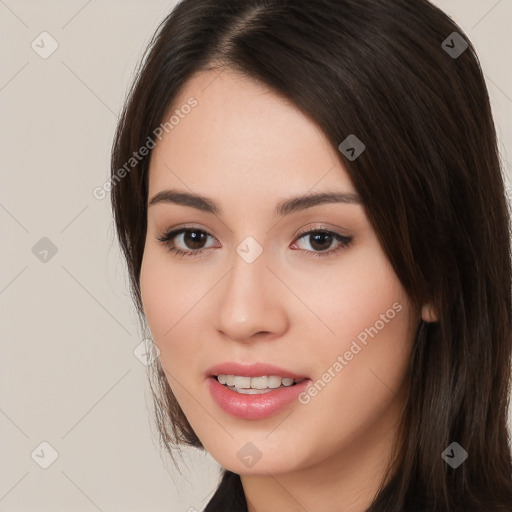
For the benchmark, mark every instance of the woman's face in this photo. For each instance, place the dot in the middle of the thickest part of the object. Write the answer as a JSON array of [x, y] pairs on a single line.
[[255, 288]]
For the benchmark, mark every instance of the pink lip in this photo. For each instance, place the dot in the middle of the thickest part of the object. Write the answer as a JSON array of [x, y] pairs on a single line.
[[250, 370], [255, 407]]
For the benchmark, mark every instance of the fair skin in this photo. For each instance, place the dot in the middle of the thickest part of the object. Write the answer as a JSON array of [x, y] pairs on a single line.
[[247, 149]]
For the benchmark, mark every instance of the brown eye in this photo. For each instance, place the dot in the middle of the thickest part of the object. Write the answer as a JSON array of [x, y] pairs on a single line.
[[185, 241], [194, 239], [191, 242], [320, 241]]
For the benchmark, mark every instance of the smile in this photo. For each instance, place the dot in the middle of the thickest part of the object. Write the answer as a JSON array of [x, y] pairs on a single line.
[[251, 403], [255, 385]]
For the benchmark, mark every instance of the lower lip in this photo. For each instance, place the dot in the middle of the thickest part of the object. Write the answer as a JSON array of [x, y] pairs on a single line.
[[255, 407]]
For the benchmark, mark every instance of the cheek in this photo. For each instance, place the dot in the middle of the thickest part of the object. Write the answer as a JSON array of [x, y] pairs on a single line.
[[156, 299], [361, 370], [172, 300], [352, 299], [362, 357], [163, 294]]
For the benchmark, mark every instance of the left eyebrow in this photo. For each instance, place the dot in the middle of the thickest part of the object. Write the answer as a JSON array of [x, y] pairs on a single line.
[[285, 207]]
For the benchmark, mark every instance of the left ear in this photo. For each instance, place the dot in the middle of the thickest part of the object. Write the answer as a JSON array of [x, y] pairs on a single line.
[[428, 314]]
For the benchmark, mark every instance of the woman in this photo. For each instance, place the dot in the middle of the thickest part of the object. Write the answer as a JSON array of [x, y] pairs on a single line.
[[309, 199]]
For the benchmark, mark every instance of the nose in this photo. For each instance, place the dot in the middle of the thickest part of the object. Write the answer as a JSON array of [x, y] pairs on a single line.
[[251, 302]]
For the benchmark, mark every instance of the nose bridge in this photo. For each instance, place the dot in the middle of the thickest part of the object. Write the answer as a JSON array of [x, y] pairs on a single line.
[[250, 300]]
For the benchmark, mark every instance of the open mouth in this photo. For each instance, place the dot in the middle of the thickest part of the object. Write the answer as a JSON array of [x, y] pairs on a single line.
[[255, 385], [255, 398]]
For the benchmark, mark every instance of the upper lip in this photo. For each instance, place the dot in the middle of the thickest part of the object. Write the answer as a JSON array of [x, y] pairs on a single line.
[[251, 370]]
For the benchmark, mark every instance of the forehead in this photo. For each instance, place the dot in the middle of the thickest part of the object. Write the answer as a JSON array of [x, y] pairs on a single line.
[[242, 137]]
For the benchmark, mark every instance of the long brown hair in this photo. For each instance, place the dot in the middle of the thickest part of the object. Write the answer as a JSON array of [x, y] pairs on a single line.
[[393, 73]]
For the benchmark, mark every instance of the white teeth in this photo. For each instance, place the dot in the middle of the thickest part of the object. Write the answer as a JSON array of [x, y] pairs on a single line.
[[251, 391], [242, 382], [256, 383], [273, 381], [259, 382]]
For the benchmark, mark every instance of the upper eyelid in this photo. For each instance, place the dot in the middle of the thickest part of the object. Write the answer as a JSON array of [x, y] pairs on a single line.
[[172, 233], [179, 230], [343, 241]]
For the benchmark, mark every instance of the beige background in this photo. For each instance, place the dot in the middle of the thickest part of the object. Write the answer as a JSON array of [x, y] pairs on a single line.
[[69, 376]]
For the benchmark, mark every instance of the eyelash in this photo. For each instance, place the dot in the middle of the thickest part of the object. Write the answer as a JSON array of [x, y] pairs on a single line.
[[167, 239]]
